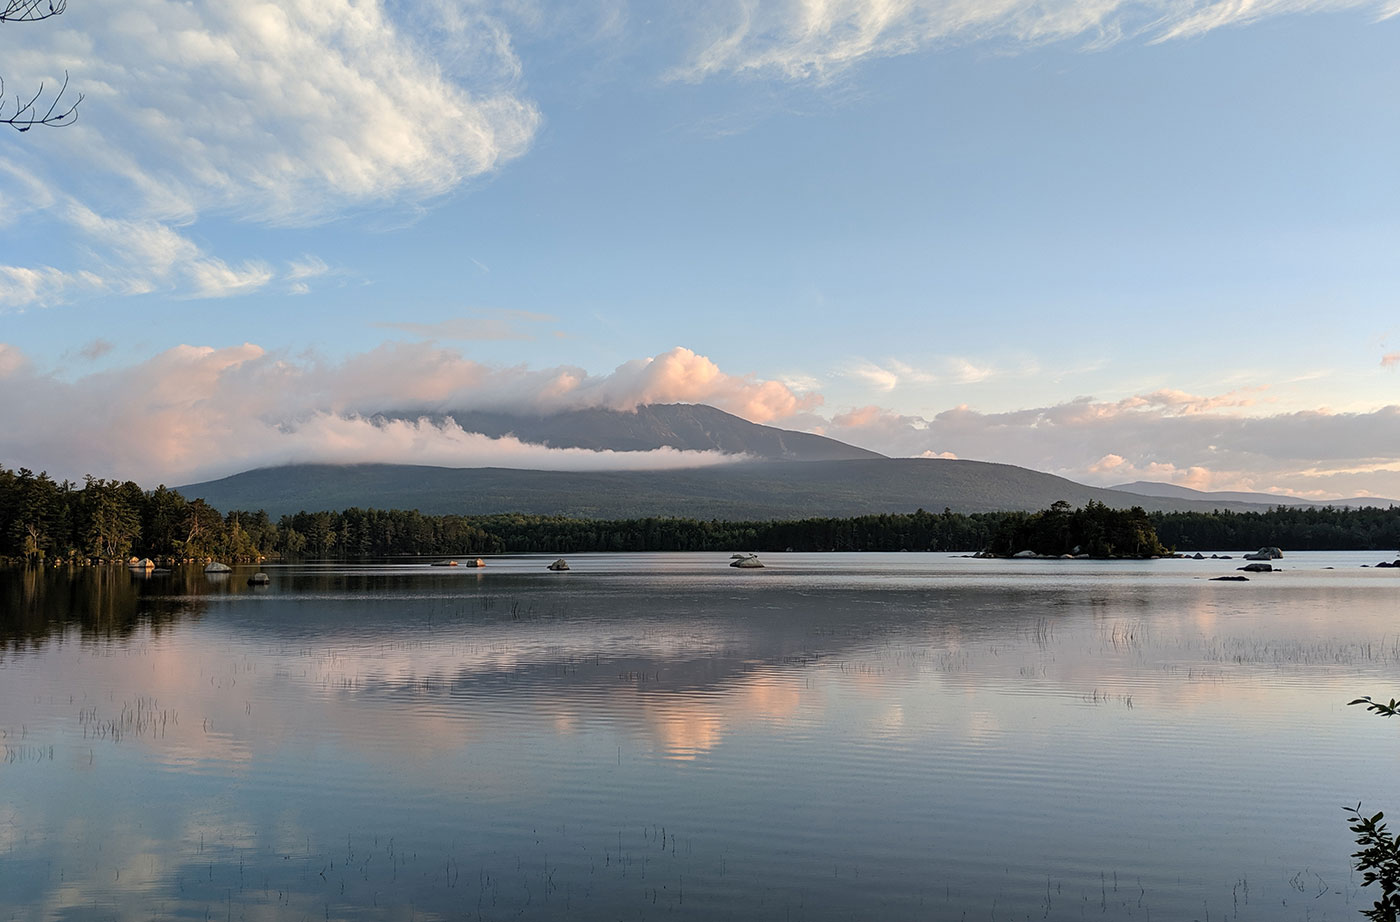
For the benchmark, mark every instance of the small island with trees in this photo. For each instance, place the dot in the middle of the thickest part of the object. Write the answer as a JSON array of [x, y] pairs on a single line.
[[1094, 530]]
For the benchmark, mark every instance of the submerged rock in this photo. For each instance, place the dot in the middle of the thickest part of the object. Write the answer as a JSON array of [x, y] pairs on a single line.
[[1229, 579]]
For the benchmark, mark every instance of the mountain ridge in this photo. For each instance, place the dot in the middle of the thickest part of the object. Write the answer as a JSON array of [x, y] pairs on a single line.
[[760, 490], [682, 426], [1174, 491]]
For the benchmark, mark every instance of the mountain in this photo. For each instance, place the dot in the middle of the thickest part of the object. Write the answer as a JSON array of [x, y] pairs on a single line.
[[684, 426], [755, 490], [1152, 488]]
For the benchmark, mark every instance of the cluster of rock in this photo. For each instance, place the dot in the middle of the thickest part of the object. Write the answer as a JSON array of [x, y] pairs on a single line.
[[1383, 565], [1265, 553], [1029, 555]]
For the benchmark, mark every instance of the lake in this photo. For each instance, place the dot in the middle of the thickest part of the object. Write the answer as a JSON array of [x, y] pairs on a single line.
[[837, 736]]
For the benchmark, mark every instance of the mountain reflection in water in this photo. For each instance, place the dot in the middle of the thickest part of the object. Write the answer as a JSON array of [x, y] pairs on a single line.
[[837, 736]]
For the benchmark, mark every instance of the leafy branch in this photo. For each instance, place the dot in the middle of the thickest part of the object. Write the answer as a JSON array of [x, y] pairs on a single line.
[[1379, 857], [1384, 710], [1378, 861]]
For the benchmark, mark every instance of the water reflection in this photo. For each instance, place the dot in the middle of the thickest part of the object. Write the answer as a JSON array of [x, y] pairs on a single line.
[[829, 742], [101, 603]]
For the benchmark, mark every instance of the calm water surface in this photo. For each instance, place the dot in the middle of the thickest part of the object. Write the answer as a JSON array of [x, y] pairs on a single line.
[[865, 736]]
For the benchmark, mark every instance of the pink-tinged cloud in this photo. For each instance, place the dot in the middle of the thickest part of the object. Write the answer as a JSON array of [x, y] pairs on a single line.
[[1205, 442], [195, 412], [1390, 360]]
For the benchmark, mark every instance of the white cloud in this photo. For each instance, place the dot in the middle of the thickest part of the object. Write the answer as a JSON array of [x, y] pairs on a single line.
[[214, 278], [137, 256], [285, 112], [878, 377], [21, 285], [274, 113], [12, 361], [308, 267], [192, 413], [1205, 442], [195, 412], [816, 39], [894, 373]]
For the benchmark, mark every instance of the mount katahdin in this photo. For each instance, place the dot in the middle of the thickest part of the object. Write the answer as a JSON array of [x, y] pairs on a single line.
[[684, 426], [793, 475]]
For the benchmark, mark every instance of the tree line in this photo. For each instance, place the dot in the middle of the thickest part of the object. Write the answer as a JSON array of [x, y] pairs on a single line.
[[43, 520]]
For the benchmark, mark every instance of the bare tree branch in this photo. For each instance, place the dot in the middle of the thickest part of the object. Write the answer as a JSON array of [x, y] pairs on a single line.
[[31, 10], [28, 113]]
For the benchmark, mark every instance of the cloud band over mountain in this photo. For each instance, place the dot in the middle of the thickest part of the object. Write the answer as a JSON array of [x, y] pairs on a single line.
[[197, 412]]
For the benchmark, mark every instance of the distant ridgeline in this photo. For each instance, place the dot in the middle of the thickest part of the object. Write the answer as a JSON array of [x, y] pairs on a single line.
[[44, 520]]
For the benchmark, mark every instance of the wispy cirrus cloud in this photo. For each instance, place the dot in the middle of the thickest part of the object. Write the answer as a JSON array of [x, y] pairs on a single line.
[[25, 285], [139, 256], [889, 374], [272, 113], [817, 39]]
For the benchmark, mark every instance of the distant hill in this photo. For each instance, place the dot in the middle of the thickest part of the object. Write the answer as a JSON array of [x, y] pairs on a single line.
[[685, 426], [757, 490], [1152, 488]]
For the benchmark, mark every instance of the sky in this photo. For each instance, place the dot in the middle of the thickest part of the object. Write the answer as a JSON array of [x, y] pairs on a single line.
[[1110, 240]]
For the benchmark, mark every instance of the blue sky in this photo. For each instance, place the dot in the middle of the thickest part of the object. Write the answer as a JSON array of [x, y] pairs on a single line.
[[1110, 240]]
